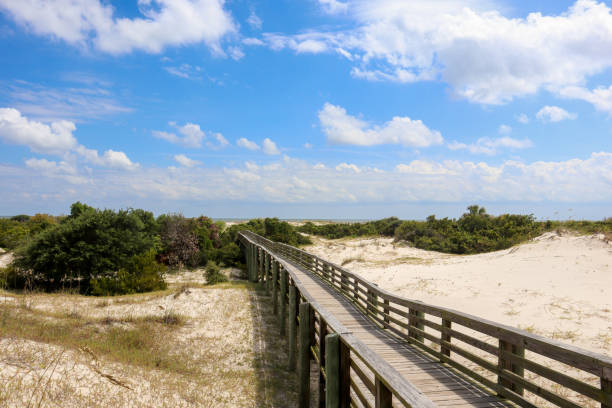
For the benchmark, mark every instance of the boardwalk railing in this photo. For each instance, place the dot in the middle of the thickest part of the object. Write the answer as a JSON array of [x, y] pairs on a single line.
[[503, 359]]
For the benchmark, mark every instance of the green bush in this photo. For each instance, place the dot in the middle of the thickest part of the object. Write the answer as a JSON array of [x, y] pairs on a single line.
[[475, 232], [213, 274], [88, 244], [141, 274]]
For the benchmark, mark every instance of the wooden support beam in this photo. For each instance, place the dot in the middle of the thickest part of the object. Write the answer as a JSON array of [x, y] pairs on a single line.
[[345, 376], [292, 325], [332, 370], [606, 385], [386, 310], [383, 395], [304, 356], [283, 301], [312, 340], [413, 316], [275, 286], [322, 354], [511, 366], [266, 281], [445, 337], [371, 300], [254, 264]]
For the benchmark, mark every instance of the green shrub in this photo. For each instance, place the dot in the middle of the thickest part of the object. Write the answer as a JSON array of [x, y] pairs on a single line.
[[213, 274], [141, 274], [88, 244]]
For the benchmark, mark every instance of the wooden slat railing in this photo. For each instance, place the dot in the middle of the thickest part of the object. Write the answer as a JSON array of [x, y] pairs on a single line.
[[454, 337]]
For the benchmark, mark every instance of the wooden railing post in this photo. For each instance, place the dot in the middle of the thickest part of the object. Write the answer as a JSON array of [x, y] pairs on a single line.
[[304, 356], [413, 316], [292, 325], [383, 395], [606, 385], [322, 366], [370, 308], [332, 371], [445, 337], [267, 272], [338, 371], [283, 301], [259, 263], [275, 286], [345, 376], [343, 282], [505, 364], [253, 268], [386, 311]]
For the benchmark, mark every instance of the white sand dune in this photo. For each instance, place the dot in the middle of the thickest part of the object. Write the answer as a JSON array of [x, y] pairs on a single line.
[[5, 258], [555, 286]]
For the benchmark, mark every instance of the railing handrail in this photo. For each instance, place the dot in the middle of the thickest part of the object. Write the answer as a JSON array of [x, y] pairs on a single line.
[[513, 341], [602, 359]]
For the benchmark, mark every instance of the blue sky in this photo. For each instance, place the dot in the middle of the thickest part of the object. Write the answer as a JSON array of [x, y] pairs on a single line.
[[307, 109]]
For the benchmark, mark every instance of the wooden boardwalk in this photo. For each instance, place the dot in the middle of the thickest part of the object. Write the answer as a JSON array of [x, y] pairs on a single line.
[[439, 383], [376, 349]]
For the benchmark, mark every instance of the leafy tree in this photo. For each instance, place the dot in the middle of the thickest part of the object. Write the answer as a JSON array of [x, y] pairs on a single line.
[[180, 243], [89, 244]]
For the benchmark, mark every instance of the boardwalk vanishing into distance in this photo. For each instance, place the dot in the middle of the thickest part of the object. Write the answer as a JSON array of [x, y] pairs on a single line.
[[375, 349]]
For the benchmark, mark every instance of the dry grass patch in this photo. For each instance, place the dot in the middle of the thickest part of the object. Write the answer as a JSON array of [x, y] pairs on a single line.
[[185, 347]]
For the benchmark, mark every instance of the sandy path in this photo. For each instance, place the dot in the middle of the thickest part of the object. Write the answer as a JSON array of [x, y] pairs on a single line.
[[556, 286]]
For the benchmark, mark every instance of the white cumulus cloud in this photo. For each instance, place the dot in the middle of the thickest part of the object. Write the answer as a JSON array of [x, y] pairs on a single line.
[[269, 147], [192, 135], [55, 138], [186, 161], [554, 114], [600, 98], [342, 128], [247, 144], [163, 23], [509, 57], [489, 146]]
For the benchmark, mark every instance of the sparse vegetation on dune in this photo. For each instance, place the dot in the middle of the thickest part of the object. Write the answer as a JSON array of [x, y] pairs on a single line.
[[474, 232], [191, 345]]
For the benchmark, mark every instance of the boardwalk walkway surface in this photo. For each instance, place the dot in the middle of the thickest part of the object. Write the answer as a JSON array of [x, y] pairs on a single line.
[[376, 349]]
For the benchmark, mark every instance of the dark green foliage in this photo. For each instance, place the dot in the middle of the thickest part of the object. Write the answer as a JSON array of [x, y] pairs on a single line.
[[20, 218], [88, 244], [475, 232], [17, 230], [141, 274], [11, 278], [213, 274], [271, 228], [385, 227], [584, 227]]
